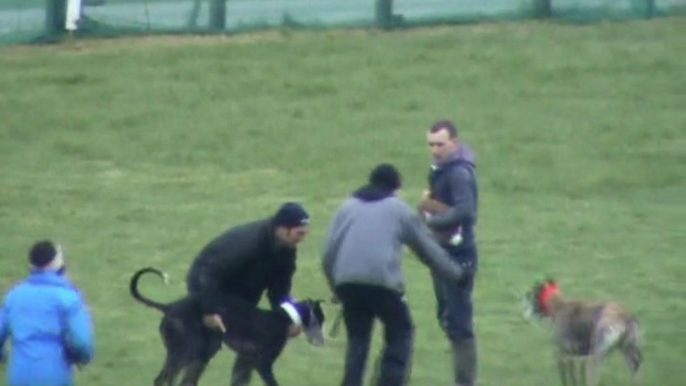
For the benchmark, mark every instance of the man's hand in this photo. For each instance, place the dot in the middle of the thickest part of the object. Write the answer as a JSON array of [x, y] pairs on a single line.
[[294, 331], [214, 321]]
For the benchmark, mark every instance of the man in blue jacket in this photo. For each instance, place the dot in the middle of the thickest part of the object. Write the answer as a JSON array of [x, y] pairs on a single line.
[[47, 322], [453, 185]]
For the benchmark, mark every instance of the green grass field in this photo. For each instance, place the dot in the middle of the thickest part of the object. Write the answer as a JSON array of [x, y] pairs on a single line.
[[137, 152]]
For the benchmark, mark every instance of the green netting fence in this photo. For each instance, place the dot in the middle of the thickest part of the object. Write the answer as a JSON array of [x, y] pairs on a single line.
[[26, 21]]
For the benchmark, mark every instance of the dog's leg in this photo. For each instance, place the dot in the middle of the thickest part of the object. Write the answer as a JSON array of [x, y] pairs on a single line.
[[193, 373], [172, 366], [173, 362], [563, 370], [592, 370], [266, 372], [162, 377], [572, 370], [242, 371]]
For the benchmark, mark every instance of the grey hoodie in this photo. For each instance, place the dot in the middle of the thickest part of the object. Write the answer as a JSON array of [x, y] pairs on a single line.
[[365, 243]]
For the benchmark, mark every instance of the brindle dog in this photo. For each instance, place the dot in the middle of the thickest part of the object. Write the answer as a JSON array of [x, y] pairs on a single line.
[[585, 333]]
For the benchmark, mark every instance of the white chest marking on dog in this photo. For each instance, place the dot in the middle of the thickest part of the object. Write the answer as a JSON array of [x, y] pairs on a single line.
[[293, 313], [611, 336]]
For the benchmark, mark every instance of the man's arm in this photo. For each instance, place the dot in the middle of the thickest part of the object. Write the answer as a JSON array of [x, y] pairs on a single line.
[[219, 260], [330, 252], [464, 209], [280, 288], [418, 238], [209, 291], [4, 329], [79, 336]]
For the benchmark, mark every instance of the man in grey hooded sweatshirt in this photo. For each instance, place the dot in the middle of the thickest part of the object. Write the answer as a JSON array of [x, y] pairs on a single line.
[[362, 263]]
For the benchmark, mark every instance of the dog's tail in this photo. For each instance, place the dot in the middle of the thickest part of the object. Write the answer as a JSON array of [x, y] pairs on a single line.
[[133, 287], [633, 335]]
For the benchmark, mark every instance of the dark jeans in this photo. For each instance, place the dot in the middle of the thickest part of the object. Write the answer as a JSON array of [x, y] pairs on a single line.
[[361, 305], [455, 310]]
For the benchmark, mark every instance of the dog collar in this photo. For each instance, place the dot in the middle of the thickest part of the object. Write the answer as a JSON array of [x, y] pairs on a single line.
[[292, 313], [547, 294]]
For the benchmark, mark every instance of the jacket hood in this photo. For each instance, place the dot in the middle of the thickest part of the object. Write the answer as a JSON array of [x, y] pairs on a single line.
[[371, 192]]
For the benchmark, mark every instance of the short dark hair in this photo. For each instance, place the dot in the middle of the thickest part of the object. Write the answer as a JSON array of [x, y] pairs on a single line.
[[42, 253], [385, 176], [444, 124]]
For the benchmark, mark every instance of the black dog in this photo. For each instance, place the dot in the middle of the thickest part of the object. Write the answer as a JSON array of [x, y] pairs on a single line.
[[257, 335]]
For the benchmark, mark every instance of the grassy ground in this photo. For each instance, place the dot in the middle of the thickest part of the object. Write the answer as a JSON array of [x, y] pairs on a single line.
[[137, 152]]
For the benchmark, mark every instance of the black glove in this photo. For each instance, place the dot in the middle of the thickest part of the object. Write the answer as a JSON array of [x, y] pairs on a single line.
[[73, 356]]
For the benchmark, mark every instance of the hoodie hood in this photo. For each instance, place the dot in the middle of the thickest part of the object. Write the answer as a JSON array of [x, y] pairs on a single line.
[[372, 192], [384, 180]]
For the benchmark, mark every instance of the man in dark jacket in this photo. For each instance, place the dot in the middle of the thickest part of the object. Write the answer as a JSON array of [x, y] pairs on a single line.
[[242, 263], [453, 184], [362, 262]]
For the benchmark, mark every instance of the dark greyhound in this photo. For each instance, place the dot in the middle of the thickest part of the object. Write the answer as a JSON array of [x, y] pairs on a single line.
[[257, 335]]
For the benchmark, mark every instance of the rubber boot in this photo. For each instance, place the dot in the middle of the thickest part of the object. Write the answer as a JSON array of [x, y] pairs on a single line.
[[465, 362]]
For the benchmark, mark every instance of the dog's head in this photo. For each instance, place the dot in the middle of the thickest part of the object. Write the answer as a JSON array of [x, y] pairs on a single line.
[[534, 303], [314, 322], [309, 315]]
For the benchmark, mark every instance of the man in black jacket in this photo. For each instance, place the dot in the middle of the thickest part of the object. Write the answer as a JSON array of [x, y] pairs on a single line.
[[242, 263]]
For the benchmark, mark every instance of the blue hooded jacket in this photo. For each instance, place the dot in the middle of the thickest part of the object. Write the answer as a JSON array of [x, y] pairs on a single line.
[[454, 183], [50, 330]]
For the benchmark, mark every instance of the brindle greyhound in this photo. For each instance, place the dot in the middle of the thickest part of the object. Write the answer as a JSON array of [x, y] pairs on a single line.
[[585, 333]]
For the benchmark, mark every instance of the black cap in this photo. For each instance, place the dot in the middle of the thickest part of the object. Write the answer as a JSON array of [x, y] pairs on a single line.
[[385, 176], [291, 215], [42, 253]]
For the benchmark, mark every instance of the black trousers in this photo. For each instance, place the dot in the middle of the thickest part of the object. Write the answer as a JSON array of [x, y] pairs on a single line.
[[362, 304]]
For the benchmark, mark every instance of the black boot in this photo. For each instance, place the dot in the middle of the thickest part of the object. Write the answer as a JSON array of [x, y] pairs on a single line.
[[465, 362]]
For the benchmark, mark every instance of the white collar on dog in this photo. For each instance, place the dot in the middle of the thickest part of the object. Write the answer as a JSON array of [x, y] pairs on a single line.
[[292, 312]]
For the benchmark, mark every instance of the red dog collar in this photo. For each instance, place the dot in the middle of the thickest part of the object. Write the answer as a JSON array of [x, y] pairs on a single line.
[[548, 292]]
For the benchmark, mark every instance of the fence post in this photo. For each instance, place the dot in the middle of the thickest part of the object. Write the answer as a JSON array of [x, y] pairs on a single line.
[[543, 9], [55, 17], [650, 9], [384, 13], [218, 15]]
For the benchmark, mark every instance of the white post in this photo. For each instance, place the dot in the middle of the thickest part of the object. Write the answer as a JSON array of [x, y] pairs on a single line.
[[73, 15]]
